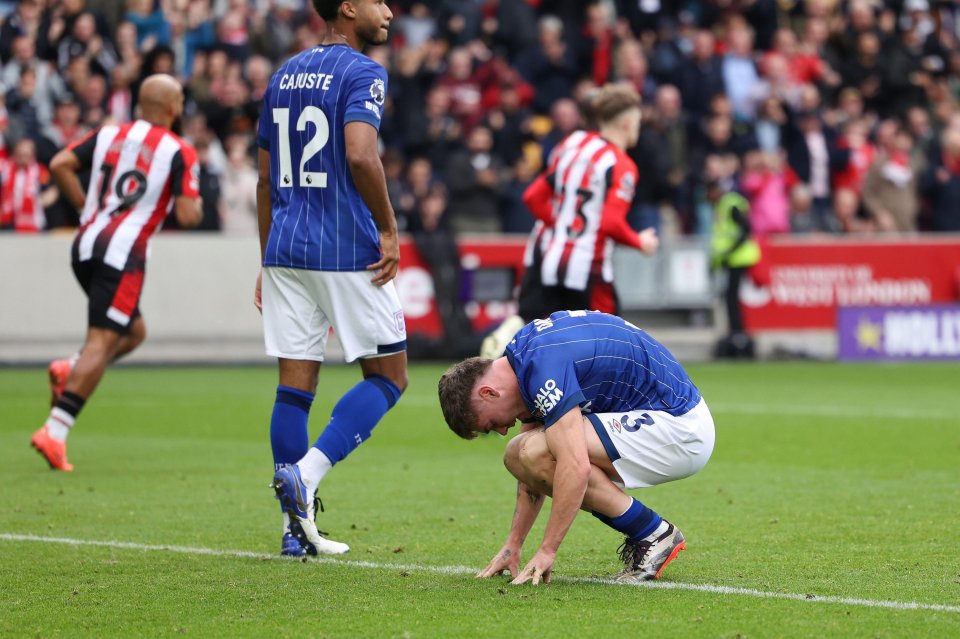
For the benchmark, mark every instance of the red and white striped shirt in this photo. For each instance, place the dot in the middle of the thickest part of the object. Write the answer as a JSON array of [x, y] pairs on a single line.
[[581, 203], [138, 169], [20, 188]]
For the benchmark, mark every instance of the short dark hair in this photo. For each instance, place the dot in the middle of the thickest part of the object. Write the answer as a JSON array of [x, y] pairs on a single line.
[[328, 9], [456, 395], [613, 100]]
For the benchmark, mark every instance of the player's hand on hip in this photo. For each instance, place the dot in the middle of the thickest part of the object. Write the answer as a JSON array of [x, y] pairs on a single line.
[[507, 559], [538, 569], [649, 242], [387, 266], [257, 294]]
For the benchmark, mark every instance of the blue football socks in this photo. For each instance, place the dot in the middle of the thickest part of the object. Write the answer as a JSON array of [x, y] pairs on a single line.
[[288, 426], [636, 523], [355, 415]]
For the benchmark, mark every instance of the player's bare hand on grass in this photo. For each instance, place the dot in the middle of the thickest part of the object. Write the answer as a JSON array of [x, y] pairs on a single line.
[[649, 242], [386, 267], [508, 559], [538, 569], [257, 294]]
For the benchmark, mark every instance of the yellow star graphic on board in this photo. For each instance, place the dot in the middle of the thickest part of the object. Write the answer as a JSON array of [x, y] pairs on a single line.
[[868, 335]]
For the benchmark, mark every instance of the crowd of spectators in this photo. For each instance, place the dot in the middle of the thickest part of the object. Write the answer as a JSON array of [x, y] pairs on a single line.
[[833, 116]]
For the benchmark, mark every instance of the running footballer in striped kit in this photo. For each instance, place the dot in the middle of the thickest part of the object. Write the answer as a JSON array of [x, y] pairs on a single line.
[[141, 171], [580, 203]]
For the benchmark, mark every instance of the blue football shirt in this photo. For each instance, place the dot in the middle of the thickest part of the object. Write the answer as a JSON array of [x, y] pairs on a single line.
[[600, 362], [320, 222]]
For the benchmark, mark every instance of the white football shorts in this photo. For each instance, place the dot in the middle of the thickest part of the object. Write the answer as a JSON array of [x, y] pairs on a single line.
[[300, 307], [650, 447]]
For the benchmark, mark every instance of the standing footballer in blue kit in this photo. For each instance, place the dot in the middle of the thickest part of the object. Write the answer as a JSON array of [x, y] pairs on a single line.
[[603, 407], [330, 252]]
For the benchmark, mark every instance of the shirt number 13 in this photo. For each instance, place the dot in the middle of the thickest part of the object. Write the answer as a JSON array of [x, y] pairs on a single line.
[[321, 135]]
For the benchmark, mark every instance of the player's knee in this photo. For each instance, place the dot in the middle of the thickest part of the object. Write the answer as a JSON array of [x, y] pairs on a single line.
[[138, 333], [535, 457], [511, 456], [401, 381]]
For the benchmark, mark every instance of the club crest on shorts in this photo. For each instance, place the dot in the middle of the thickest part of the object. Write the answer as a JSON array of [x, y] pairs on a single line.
[[398, 318]]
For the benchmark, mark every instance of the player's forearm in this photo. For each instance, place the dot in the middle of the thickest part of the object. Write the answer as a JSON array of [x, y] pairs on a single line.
[[69, 184], [614, 224], [569, 487], [264, 214], [63, 168], [525, 515], [371, 183]]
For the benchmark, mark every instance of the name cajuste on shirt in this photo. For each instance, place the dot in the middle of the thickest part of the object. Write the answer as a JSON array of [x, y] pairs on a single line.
[[305, 81]]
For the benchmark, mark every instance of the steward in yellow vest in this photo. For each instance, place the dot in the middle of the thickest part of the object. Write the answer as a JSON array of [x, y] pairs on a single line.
[[734, 250]]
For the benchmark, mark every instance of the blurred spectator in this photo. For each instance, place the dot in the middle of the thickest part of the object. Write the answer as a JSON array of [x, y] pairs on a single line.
[[23, 105], [463, 85], [194, 32], [764, 184], [662, 159], [25, 188], [859, 153], [550, 65], [474, 182], [150, 21], [48, 84], [25, 21], [771, 117], [565, 119], [863, 70], [516, 216], [84, 40], [66, 127], [509, 122], [890, 186], [238, 188], [120, 100], [846, 204], [416, 26], [630, 66], [93, 100], [595, 42], [443, 132], [739, 71], [232, 30], [812, 156], [802, 219], [701, 76], [941, 185]]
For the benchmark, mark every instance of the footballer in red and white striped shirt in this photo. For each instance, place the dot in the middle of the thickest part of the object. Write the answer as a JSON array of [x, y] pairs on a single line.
[[140, 172], [581, 203]]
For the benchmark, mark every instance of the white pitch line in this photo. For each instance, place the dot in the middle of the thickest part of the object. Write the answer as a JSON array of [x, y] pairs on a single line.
[[465, 570]]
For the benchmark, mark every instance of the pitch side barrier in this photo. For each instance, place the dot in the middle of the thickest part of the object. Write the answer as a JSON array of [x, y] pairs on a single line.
[[198, 298]]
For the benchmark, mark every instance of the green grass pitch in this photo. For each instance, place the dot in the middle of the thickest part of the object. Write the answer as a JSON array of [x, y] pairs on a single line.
[[829, 483]]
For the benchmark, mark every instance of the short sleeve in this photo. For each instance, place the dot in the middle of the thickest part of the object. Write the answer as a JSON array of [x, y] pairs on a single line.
[[366, 96], [551, 386], [84, 148], [185, 173]]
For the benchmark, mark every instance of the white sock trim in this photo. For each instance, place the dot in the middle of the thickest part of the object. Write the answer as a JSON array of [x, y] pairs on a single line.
[[59, 424], [313, 467]]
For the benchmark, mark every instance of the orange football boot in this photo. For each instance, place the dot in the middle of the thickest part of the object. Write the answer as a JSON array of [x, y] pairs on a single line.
[[55, 452]]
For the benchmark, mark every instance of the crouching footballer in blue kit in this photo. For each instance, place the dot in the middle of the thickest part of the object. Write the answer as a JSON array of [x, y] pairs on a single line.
[[604, 407]]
